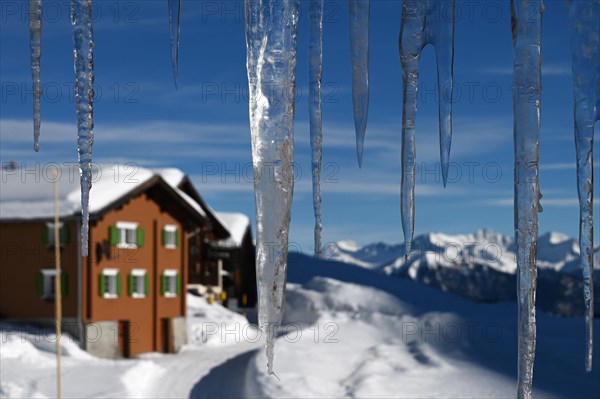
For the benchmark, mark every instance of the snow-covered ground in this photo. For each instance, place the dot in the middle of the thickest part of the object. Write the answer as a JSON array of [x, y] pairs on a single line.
[[348, 332]]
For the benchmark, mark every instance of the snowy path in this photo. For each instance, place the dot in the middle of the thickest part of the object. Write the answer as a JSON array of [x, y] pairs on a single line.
[[192, 373]]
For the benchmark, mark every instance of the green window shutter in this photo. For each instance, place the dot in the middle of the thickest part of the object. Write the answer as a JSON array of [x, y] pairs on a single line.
[[177, 238], [39, 284], [64, 234], [113, 233], [102, 286], [131, 285], [178, 284], [146, 285], [164, 238], [119, 284], [163, 284], [63, 283], [45, 235], [140, 237]]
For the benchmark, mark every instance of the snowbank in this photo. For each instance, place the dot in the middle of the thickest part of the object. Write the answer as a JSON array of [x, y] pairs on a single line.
[[209, 324], [363, 342]]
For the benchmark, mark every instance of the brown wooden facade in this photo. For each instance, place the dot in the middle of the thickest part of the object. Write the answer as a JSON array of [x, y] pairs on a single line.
[[142, 319]]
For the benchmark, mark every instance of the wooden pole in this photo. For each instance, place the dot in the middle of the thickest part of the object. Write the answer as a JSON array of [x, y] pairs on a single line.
[[57, 290]]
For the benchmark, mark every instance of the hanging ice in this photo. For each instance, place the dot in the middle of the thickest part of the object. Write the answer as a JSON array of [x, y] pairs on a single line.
[[271, 30], [174, 34], [359, 42], [81, 20], [35, 45], [423, 23], [526, 32], [315, 72], [584, 27]]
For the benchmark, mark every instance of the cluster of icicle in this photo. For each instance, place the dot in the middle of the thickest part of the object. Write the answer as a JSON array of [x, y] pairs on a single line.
[[416, 32], [271, 35], [271, 30], [584, 31]]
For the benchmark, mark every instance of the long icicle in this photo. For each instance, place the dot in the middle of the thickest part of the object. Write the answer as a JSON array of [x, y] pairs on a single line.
[[359, 42], [442, 37], [585, 49], [81, 20], [315, 73], [412, 42], [526, 18], [35, 45], [271, 35], [174, 35], [419, 27]]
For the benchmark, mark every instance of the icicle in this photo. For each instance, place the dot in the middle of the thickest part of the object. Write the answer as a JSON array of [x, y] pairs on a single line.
[[526, 31], [81, 19], [174, 34], [420, 26], [584, 16], [271, 30], [359, 42], [35, 44], [315, 71]]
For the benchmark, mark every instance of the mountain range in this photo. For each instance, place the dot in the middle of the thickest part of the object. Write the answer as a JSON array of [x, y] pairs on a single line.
[[481, 266]]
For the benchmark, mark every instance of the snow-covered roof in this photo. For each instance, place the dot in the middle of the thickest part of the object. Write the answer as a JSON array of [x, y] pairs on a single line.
[[236, 224], [190, 201], [172, 176], [28, 193]]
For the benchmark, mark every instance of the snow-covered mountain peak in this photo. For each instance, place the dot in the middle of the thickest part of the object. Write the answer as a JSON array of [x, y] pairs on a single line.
[[348, 245], [554, 237]]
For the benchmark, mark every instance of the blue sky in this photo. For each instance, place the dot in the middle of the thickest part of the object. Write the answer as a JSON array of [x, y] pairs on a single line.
[[202, 128]]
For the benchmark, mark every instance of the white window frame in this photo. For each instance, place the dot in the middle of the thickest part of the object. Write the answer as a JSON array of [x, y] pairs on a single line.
[[139, 274], [51, 238], [171, 229], [123, 227], [171, 274], [112, 273], [48, 289]]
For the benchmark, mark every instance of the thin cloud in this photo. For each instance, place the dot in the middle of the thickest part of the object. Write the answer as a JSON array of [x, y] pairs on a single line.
[[547, 70], [553, 202], [564, 166]]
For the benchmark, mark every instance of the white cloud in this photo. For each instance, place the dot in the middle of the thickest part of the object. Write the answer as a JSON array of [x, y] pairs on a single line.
[[157, 131]]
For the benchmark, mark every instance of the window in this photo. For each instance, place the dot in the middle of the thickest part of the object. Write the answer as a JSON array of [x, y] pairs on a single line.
[[138, 283], [110, 283], [45, 284], [170, 237], [170, 283], [48, 234], [126, 235]]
